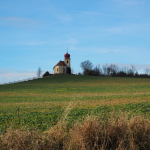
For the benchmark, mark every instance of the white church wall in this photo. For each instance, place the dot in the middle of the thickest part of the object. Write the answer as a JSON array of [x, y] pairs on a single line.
[[69, 62], [60, 70]]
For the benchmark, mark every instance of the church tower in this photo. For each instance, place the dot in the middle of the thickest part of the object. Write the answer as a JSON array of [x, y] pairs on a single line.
[[67, 59]]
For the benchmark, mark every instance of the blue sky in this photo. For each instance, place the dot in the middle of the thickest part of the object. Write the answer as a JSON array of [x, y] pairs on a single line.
[[36, 33]]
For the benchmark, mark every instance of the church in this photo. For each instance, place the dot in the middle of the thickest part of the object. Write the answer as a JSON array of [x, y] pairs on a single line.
[[62, 67]]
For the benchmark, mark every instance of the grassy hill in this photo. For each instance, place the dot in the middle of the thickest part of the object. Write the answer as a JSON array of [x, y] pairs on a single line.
[[44, 100], [82, 88], [44, 103]]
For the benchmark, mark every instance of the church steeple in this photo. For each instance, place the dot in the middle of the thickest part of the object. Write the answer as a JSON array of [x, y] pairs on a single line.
[[67, 56], [67, 59]]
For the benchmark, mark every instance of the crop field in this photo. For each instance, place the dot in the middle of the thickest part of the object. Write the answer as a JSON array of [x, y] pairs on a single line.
[[41, 103]]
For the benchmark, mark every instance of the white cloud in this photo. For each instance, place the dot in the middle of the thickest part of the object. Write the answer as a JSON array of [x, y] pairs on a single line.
[[99, 49], [18, 21], [30, 43], [92, 13], [124, 29], [64, 17], [71, 42], [89, 13], [10, 75], [107, 51], [95, 32]]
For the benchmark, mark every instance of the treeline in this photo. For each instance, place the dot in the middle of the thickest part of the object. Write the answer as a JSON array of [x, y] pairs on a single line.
[[111, 70]]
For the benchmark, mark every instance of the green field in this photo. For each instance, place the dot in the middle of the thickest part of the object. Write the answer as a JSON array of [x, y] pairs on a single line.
[[43, 102]]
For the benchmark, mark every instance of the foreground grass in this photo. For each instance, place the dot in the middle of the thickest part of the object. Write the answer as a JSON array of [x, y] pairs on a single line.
[[76, 112], [118, 132]]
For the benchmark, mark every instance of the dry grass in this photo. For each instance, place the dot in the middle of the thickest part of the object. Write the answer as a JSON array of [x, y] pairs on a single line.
[[92, 134]]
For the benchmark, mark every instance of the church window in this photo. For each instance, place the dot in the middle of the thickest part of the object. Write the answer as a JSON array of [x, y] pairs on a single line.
[[67, 61], [57, 69]]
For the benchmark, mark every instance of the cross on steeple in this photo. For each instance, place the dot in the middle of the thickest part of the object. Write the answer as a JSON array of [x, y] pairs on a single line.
[[67, 49]]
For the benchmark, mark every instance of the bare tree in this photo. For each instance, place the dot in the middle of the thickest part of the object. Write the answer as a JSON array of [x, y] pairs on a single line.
[[39, 72], [147, 71], [105, 70], [124, 69], [86, 66], [133, 69], [131, 72], [110, 70], [97, 70], [113, 69]]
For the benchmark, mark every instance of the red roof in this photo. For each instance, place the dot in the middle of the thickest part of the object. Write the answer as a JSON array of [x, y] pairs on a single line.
[[60, 63], [67, 56]]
